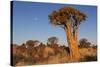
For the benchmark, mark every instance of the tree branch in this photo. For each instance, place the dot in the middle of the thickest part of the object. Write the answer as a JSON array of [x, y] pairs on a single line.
[[75, 32]]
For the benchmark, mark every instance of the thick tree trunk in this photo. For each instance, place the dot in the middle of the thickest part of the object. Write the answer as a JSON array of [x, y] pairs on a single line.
[[72, 43]]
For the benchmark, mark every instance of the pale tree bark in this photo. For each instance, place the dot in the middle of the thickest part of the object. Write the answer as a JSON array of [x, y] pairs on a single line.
[[72, 43]]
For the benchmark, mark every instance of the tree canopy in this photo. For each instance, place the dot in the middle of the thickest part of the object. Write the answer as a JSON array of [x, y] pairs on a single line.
[[52, 40], [61, 16], [84, 43]]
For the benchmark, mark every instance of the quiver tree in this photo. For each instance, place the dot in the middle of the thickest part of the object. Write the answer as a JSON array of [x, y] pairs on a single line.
[[69, 19]]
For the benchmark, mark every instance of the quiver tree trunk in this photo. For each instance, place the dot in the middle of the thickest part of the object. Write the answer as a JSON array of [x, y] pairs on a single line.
[[72, 43]]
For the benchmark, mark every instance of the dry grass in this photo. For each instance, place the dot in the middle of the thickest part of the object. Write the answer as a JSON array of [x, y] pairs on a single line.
[[50, 55]]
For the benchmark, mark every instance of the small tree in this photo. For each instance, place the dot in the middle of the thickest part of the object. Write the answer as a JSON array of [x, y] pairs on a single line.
[[31, 43], [52, 40], [84, 43]]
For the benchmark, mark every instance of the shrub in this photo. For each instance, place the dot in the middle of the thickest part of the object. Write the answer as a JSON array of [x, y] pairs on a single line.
[[16, 59], [19, 58], [89, 58]]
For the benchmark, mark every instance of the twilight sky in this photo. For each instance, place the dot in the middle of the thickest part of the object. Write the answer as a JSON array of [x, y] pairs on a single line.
[[30, 22]]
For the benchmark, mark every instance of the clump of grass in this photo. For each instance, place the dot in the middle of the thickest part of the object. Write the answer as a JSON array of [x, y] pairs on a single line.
[[19, 58]]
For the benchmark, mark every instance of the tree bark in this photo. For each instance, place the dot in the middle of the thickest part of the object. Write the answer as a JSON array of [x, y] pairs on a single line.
[[72, 43]]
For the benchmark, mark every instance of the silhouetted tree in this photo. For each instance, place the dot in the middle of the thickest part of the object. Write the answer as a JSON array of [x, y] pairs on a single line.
[[30, 46], [32, 43], [88, 44], [84, 43], [52, 40], [69, 19]]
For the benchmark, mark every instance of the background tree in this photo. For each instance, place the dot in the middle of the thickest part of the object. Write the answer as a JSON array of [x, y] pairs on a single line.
[[69, 19], [52, 40], [88, 44], [84, 43], [32, 43], [36, 43]]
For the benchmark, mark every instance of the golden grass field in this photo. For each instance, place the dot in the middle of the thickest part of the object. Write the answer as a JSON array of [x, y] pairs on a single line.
[[49, 54]]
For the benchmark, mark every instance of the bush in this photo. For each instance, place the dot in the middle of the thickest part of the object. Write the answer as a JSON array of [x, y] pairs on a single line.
[[89, 58], [17, 58]]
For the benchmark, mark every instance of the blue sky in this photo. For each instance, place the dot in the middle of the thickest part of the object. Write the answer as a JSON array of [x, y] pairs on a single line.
[[30, 22]]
